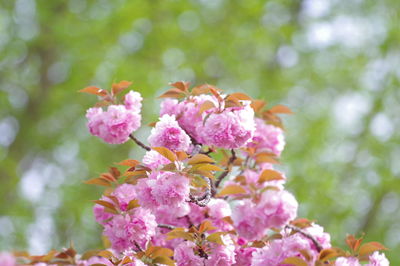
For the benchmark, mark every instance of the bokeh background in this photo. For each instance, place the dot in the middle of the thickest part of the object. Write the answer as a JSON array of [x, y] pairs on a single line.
[[335, 63]]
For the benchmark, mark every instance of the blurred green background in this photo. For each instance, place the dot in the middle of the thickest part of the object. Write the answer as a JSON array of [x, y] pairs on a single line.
[[335, 63]]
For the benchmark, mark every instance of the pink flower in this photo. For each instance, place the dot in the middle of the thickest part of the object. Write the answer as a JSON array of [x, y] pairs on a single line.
[[279, 249], [187, 112], [113, 125], [267, 138], [323, 238], [170, 107], [164, 189], [222, 255], [96, 260], [378, 259], [349, 261], [125, 229], [247, 221], [154, 160], [7, 259], [167, 133], [133, 101], [171, 189], [277, 207], [100, 215], [219, 208], [184, 255], [124, 193], [232, 128], [244, 256]]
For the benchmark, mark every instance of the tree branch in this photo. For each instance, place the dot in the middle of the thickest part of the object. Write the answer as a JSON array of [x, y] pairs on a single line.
[[309, 236], [138, 142], [226, 172], [167, 226], [204, 199]]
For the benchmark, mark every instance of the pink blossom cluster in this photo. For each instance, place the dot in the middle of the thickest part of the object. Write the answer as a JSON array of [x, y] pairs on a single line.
[[116, 123], [184, 205]]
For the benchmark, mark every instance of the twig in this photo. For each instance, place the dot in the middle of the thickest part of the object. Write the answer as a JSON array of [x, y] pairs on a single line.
[[167, 226], [309, 236], [138, 142], [204, 199], [138, 247], [227, 170]]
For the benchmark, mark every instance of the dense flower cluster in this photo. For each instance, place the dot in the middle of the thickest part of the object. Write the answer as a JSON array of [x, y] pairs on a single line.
[[180, 206]]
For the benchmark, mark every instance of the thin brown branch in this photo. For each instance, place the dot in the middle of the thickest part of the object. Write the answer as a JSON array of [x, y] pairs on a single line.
[[309, 236], [204, 199], [167, 226], [226, 172], [138, 142], [138, 247]]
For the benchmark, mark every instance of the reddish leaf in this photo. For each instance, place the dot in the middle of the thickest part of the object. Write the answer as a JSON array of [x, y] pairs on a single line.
[[166, 153], [296, 261], [206, 226], [371, 247], [181, 85], [120, 86], [98, 181], [94, 90], [129, 162], [200, 158], [270, 175], [280, 109], [230, 190]]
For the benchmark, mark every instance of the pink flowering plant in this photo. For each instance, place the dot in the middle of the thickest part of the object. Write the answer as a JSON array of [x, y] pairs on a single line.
[[206, 192]]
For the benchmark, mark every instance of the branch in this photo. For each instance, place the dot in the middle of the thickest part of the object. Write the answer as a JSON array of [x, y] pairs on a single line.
[[227, 170], [138, 247], [309, 236], [138, 142], [203, 200], [167, 226]]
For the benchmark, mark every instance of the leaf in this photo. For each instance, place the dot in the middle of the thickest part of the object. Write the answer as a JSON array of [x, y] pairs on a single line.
[[265, 158], [90, 253], [270, 175], [166, 153], [239, 96], [160, 251], [230, 190], [133, 204], [98, 181], [328, 253], [120, 86], [353, 243], [208, 167], [216, 237], [94, 90], [207, 105], [280, 109], [179, 233], [296, 261], [200, 158], [216, 94], [169, 167], [129, 162], [114, 172], [181, 85], [370, 247], [105, 204], [126, 260], [164, 260], [108, 177], [206, 226], [173, 93], [257, 105], [105, 254], [182, 155]]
